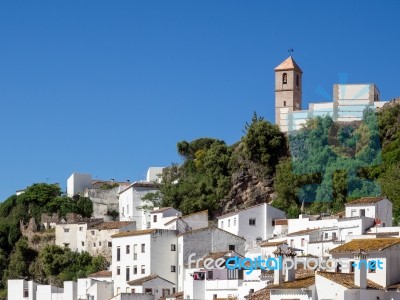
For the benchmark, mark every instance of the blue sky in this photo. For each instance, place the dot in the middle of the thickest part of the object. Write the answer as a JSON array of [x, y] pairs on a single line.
[[109, 87]]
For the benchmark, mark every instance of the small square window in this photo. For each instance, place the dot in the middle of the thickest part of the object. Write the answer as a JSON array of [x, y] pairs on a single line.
[[66, 229], [231, 247], [83, 243], [80, 228], [109, 244], [134, 269], [173, 269], [143, 269], [173, 247], [252, 222], [118, 271], [143, 248]]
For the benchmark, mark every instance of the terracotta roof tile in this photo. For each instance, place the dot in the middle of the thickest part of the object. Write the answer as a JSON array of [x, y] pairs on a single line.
[[110, 225], [104, 273], [378, 244], [303, 232], [347, 280], [288, 64], [366, 200], [133, 233], [272, 244], [142, 280]]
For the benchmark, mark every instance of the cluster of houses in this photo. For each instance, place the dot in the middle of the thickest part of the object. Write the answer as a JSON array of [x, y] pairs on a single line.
[[162, 254]]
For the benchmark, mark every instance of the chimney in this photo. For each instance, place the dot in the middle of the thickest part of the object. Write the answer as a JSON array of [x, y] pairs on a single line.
[[278, 276], [290, 268], [360, 269]]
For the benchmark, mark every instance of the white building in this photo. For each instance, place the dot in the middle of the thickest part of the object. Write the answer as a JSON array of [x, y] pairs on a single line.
[[188, 222], [130, 201], [378, 208], [93, 236], [255, 223], [202, 242], [77, 183], [85, 289], [163, 215], [138, 254]]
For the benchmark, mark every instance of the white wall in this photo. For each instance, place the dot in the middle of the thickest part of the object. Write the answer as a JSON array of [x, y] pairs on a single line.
[[77, 183]]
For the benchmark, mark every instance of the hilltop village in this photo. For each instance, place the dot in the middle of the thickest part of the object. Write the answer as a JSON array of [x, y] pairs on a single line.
[[161, 253]]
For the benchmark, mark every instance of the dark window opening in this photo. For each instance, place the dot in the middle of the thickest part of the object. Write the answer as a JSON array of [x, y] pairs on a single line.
[[284, 78]]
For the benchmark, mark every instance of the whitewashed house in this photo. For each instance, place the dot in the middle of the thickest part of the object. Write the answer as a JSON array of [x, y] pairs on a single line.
[[161, 216], [130, 203], [189, 222], [153, 285], [142, 253], [202, 242], [211, 282], [378, 208], [255, 223]]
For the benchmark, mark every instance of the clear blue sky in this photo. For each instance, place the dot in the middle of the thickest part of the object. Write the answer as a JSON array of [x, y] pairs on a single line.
[[110, 87]]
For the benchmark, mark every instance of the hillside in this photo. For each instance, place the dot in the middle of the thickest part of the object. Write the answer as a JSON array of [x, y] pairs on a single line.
[[344, 162]]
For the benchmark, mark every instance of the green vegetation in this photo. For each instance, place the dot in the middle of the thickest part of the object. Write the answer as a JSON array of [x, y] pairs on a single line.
[[334, 163], [18, 260]]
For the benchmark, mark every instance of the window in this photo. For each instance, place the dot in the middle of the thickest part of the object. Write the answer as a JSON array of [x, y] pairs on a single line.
[[222, 224], [118, 271], [134, 269], [135, 252], [132, 291], [371, 266], [94, 245], [128, 249], [100, 244], [143, 269], [109, 244], [234, 222], [143, 248], [284, 103], [118, 253], [229, 223], [353, 213], [66, 245], [302, 242], [333, 235], [173, 247], [148, 291], [252, 222], [92, 232], [154, 218], [173, 269], [66, 229], [284, 78], [127, 274], [26, 293], [326, 235], [80, 228], [83, 243], [351, 267], [210, 275], [231, 247], [362, 212]]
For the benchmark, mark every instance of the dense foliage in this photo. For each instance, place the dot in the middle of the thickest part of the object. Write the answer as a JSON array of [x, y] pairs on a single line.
[[17, 259]]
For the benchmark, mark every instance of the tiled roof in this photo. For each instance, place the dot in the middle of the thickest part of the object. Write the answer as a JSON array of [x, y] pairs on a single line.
[[235, 212], [142, 280], [101, 274], [133, 233], [162, 209], [288, 64], [378, 244], [110, 225], [347, 280], [364, 201], [263, 294], [272, 244], [302, 282], [303, 232]]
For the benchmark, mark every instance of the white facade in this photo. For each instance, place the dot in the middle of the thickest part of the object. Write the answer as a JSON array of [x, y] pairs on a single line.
[[154, 174], [254, 224], [130, 199], [160, 217], [77, 183], [380, 210], [202, 242], [137, 254]]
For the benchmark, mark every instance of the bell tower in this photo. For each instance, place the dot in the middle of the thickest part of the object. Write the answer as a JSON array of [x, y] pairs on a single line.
[[288, 91]]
